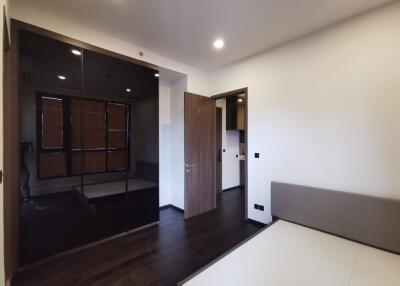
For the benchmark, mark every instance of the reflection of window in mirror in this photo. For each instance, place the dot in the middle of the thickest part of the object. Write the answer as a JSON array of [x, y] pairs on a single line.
[[52, 161], [104, 143]]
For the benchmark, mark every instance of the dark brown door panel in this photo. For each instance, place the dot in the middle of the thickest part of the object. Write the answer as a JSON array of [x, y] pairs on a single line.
[[200, 155]]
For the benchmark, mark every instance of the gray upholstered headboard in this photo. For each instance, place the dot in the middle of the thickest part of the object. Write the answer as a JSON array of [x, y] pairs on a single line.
[[369, 220]]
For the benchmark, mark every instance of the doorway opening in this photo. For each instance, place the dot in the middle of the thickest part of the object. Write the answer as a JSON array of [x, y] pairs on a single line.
[[231, 142], [206, 149]]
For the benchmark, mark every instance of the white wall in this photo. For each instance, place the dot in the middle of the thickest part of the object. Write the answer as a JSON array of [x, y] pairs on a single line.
[[324, 110], [177, 179], [230, 142], [164, 142]]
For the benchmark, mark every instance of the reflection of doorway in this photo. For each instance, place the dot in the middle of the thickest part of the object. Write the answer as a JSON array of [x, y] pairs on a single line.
[[218, 146], [231, 163]]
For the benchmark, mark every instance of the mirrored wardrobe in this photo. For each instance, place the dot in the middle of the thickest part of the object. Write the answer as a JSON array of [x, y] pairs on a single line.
[[89, 146]]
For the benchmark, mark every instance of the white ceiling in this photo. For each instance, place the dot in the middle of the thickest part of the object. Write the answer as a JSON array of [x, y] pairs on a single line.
[[185, 29]]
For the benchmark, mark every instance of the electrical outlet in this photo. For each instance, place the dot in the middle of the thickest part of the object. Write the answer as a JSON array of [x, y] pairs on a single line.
[[259, 207], [256, 155]]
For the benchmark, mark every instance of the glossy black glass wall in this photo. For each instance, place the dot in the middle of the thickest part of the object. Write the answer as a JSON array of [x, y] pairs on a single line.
[[89, 146]]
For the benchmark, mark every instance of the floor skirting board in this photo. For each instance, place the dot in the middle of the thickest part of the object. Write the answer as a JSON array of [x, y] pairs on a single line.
[[172, 207], [249, 220]]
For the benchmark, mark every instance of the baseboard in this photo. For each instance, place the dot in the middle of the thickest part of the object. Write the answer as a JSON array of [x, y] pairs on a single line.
[[172, 207], [249, 220]]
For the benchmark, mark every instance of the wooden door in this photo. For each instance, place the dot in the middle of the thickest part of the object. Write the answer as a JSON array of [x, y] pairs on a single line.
[[200, 155], [218, 149]]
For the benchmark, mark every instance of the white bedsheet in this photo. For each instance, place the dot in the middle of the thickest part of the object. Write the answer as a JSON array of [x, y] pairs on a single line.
[[288, 254]]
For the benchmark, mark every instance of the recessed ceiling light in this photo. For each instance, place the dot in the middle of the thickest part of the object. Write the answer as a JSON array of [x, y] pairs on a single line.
[[157, 75], [76, 52], [62, 77], [219, 44], [128, 90], [240, 100]]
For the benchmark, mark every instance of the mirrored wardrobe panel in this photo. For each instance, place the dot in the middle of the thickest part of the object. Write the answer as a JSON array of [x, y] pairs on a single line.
[[89, 146], [142, 188], [104, 151]]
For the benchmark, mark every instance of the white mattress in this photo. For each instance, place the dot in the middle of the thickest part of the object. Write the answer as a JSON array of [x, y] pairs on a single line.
[[287, 254], [112, 188]]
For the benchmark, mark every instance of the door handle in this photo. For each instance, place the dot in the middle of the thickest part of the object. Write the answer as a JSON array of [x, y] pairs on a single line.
[[189, 165]]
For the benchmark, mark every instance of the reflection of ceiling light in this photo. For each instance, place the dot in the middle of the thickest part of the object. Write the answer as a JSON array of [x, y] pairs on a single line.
[[61, 77], [76, 52], [128, 90], [240, 100], [219, 44], [157, 75]]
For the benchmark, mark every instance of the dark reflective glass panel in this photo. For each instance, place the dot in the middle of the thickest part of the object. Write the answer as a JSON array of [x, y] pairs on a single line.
[[51, 217], [105, 124], [142, 196], [89, 146]]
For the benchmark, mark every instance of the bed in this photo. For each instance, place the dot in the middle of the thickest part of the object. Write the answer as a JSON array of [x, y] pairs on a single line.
[[321, 237]]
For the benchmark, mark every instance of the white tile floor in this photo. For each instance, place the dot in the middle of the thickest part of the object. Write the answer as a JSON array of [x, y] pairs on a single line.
[[287, 254]]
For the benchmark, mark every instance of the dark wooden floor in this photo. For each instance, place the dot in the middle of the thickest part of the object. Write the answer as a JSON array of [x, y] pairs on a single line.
[[159, 255]]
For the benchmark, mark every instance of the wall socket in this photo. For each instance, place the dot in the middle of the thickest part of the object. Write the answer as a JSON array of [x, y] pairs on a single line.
[[259, 207]]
